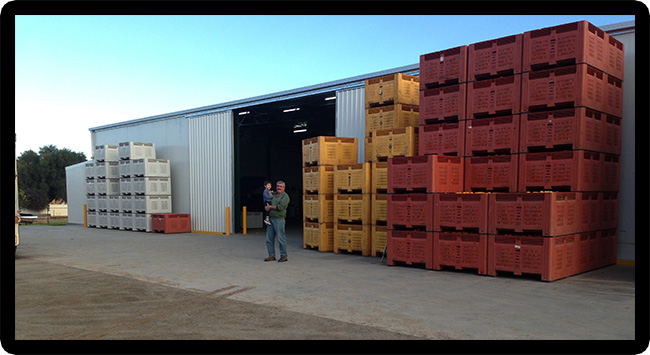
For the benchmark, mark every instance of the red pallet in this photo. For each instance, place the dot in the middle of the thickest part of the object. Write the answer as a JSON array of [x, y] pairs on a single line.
[[442, 139], [550, 257], [443, 67], [497, 57], [572, 86], [409, 247], [447, 103], [573, 43], [460, 212], [492, 135], [541, 213], [460, 250], [491, 173], [425, 173], [413, 211], [571, 170], [572, 128], [494, 97], [170, 223]]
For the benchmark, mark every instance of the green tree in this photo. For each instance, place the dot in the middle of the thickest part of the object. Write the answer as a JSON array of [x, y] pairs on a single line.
[[41, 177]]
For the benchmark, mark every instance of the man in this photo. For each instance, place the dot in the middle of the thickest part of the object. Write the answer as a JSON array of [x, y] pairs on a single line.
[[277, 213]]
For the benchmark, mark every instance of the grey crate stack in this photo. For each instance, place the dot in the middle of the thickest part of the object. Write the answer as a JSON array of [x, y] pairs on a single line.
[[125, 184]]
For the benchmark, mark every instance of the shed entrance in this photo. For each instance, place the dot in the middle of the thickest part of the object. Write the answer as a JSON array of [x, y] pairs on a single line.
[[268, 146]]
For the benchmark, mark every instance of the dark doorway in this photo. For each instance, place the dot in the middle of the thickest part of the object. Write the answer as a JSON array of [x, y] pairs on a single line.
[[268, 146]]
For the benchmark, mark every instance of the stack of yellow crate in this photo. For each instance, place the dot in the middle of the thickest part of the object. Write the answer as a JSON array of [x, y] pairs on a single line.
[[352, 208], [392, 118], [320, 155]]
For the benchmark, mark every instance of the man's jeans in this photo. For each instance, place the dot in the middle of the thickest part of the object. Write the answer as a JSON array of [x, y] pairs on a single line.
[[276, 229]]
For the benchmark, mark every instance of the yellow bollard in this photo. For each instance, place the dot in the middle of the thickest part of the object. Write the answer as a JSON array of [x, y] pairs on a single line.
[[85, 216], [244, 220], [227, 220]]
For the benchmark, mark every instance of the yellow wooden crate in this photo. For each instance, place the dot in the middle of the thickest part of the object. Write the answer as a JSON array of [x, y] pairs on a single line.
[[397, 142], [379, 214], [326, 150], [352, 208], [318, 235], [318, 179], [391, 116], [318, 208], [379, 235], [367, 153], [392, 89], [352, 178], [352, 237], [379, 177]]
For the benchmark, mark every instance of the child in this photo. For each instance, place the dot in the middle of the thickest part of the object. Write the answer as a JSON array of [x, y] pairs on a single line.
[[267, 196]]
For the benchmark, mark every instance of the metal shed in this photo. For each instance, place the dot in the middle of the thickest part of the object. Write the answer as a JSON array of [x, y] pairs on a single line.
[[220, 154]]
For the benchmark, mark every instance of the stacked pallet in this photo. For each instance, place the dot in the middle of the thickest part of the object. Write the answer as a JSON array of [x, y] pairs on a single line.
[[391, 120], [569, 157], [536, 118], [127, 186], [320, 157]]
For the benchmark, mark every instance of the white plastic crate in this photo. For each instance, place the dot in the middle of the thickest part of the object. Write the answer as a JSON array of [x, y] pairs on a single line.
[[125, 168], [102, 220], [126, 186], [91, 188], [108, 186], [114, 220], [102, 203], [152, 204], [137, 150], [91, 218], [106, 153], [114, 203], [107, 170], [126, 221], [142, 222], [150, 167], [126, 203], [91, 202], [89, 169], [152, 186]]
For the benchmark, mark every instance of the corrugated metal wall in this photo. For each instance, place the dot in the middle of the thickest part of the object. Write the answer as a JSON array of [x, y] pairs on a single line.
[[211, 171], [351, 116]]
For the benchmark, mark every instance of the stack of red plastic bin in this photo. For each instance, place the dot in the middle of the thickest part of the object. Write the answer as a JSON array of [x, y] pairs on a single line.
[[536, 119], [563, 219]]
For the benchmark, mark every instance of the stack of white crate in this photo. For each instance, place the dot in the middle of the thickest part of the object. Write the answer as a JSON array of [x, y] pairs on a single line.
[[145, 184], [125, 184], [103, 187]]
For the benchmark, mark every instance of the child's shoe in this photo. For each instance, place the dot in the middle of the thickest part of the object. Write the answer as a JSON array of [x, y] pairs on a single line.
[[267, 221]]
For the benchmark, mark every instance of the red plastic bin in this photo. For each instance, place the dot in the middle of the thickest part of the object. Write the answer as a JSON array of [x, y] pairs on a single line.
[[498, 135], [611, 172], [538, 213], [571, 170], [443, 67], [410, 211], [447, 103], [491, 173], [170, 223], [497, 57], [425, 173], [460, 212], [550, 257], [409, 247], [572, 86], [494, 97], [609, 210], [460, 250], [572, 128], [573, 43], [607, 246], [442, 139]]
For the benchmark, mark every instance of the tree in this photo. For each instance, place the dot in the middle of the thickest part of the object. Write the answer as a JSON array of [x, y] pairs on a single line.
[[41, 177]]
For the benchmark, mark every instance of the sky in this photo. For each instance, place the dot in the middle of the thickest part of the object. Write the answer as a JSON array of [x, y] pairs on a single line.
[[76, 72]]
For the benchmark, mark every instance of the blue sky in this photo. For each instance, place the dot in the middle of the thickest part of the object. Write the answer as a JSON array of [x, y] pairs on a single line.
[[77, 72]]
